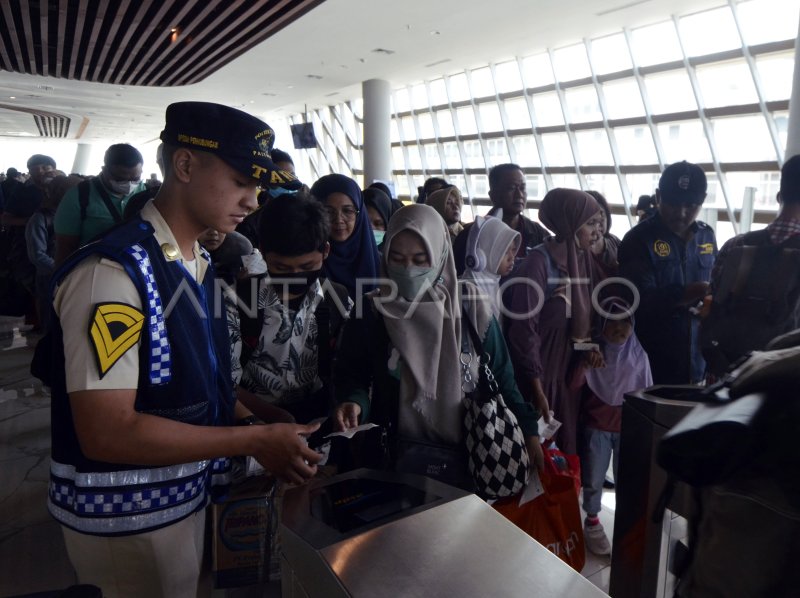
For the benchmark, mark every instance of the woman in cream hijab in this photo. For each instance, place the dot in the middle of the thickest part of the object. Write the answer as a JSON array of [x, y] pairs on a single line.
[[406, 345], [448, 202]]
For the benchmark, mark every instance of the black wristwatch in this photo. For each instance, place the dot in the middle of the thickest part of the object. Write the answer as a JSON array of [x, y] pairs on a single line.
[[247, 421]]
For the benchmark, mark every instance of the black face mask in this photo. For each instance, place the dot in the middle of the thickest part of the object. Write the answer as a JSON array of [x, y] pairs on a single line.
[[295, 283]]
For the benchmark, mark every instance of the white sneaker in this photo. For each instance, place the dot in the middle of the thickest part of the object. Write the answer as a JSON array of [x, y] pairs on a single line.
[[596, 539]]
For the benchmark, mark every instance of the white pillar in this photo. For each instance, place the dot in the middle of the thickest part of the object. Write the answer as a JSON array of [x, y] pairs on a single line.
[[793, 138], [377, 118], [80, 164]]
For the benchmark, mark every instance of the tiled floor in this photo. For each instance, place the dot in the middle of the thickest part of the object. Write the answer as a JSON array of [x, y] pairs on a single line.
[[32, 553]]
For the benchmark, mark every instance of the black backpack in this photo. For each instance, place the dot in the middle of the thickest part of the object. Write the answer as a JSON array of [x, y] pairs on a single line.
[[757, 299]]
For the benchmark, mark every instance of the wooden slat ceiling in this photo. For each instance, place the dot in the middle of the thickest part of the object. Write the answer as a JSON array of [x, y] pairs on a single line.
[[136, 42]]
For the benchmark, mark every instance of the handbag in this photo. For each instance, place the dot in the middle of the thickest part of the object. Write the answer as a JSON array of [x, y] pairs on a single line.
[[498, 458], [553, 518]]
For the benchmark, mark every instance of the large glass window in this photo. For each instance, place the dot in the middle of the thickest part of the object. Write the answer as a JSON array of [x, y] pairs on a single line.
[[452, 159], [782, 125], [547, 109], [571, 63], [498, 151], [466, 121], [684, 140], [408, 131], [593, 148], [635, 145], [398, 159], [708, 32], [765, 21], [459, 88], [670, 92], [655, 44], [414, 157], [490, 117], [473, 153], [419, 97], [642, 184], [402, 101], [582, 104], [507, 77], [557, 150], [742, 139], [570, 181], [623, 99], [526, 151], [537, 71], [610, 54], [425, 123], [438, 92], [482, 84], [775, 72], [517, 115], [432, 159], [444, 118], [766, 185], [608, 186], [726, 84], [394, 132]]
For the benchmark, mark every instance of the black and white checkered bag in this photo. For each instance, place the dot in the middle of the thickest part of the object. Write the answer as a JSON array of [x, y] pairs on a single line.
[[498, 457]]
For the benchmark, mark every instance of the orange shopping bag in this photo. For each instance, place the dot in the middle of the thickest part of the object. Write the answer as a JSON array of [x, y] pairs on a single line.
[[553, 519]]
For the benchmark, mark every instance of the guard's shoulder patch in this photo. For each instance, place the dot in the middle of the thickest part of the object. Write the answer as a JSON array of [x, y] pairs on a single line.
[[113, 329]]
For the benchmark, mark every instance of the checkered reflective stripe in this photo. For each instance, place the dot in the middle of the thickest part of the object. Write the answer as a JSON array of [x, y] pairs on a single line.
[[498, 458], [221, 471], [96, 501], [127, 501], [159, 344]]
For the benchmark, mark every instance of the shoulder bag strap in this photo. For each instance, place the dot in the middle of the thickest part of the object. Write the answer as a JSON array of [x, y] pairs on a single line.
[[107, 200]]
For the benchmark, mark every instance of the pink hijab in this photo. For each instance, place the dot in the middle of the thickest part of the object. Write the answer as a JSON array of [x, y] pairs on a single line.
[[564, 211]]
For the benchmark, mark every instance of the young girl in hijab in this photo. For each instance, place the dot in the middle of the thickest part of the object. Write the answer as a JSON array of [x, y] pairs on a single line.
[[490, 251], [549, 315], [379, 209], [603, 377], [398, 365], [354, 254]]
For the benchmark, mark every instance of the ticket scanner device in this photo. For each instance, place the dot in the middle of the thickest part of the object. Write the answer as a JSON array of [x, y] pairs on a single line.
[[376, 534]]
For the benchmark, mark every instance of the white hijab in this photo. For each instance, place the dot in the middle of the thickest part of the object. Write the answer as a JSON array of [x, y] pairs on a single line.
[[489, 238]]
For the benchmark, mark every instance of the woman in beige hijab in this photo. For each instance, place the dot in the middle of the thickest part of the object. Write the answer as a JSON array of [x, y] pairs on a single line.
[[448, 202], [406, 345]]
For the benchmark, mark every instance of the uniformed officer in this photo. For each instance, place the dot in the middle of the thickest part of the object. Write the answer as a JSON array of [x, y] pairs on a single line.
[[142, 398], [669, 258]]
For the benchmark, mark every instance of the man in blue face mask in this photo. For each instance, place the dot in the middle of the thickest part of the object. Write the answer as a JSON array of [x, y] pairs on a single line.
[[95, 205]]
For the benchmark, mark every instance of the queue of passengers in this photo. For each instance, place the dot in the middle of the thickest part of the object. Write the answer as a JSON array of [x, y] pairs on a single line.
[[318, 285]]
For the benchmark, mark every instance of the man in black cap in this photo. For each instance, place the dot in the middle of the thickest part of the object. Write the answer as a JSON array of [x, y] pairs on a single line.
[[669, 258], [142, 400]]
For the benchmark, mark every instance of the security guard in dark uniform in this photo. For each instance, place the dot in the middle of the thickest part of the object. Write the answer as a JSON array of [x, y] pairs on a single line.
[[669, 258], [142, 396]]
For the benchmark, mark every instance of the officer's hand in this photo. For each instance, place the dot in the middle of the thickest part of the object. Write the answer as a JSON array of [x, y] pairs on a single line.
[[283, 453], [346, 416]]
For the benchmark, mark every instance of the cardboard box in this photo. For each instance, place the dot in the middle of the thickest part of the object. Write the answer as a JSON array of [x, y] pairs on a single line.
[[243, 529]]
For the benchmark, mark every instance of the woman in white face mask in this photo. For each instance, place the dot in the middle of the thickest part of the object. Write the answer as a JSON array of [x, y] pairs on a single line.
[[405, 345]]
